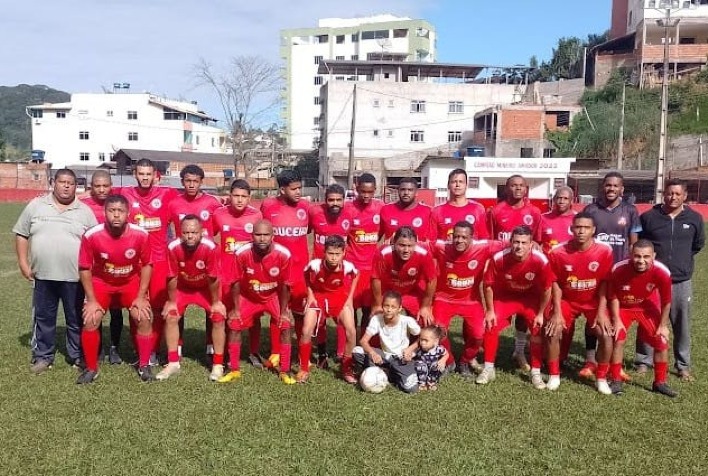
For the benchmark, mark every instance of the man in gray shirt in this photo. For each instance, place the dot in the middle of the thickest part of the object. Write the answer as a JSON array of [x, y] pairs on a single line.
[[47, 239]]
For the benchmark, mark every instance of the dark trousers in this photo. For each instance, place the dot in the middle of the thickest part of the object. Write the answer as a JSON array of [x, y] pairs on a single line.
[[45, 304]]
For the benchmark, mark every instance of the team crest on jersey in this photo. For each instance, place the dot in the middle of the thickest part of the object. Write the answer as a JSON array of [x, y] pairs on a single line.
[[130, 253], [204, 215], [417, 222], [248, 227], [200, 264], [301, 214], [470, 219], [622, 221], [394, 222], [345, 224], [377, 219], [412, 272], [569, 268], [274, 271], [650, 287], [530, 276], [473, 264], [593, 266], [528, 220], [156, 203]]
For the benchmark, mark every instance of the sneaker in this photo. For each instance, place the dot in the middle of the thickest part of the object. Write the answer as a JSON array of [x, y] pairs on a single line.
[[588, 370], [145, 374], [322, 361], [230, 377], [537, 382], [464, 370], [173, 368], [39, 366], [641, 369], [286, 378], [153, 360], [488, 374], [349, 377], [273, 362], [87, 376], [217, 371], [626, 378], [114, 357], [256, 360], [686, 376], [603, 387], [663, 389], [521, 362], [475, 366], [302, 376], [554, 382], [617, 387]]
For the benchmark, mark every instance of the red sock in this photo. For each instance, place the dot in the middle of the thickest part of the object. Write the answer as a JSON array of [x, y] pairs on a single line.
[[285, 350], [234, 355], [661, 370], [218, 359], [274, 337], [90, 342], [145, 346], [566, 342], [254, 337], [554, 367], [305, 351], [616, 371], [347, 363], [341, 339], [491, 345], [536, 350], [470, 350], [601, 372], [172, 356]]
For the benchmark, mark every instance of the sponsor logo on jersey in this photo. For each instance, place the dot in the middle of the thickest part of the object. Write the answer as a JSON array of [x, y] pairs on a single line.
[[301, 214], [368, 238], [455, 282], [148, 224], [117, 271], [130, 253], [259, 287], [580, 284], [156, 203], [290, 231], [200, 264]]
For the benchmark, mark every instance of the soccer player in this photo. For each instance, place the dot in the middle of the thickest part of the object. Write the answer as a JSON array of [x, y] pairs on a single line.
[[101, 188], [193, 278], [115, 268], [554, 227], [581, 267], [632, 284], [517, 281], [262, 281], [330, 291], [288, 214], [617, 224], [234, 224], [408, 269], [193, 201], [458, 208], [460, 267], [407, 212]]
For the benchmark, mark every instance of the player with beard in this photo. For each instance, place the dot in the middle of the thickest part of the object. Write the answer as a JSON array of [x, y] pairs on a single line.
[[458, 208], [407, 211]]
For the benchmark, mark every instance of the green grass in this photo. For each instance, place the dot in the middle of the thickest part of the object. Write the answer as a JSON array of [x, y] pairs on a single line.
[[49, 425]]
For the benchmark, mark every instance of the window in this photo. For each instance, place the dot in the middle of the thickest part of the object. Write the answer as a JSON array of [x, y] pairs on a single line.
[[84, 156], [355, 57], [132, 136], [317, 100], [318, 80], [316, 121], [36, 113], [109, 113], [196, 138], [390, 133], [133, 115], [687, 41], [369, 77], [422, 32], [417, 136], [318, 59], [376, 103], [400, 33], [339, 58], [212, 142], [355, 37], [111, 155], [101, 156], [549, 153], [387, 75], [172, 115], [339, 78], [473, 182], [61, 114], [455, 107], [340, 39], [321, 38], [417, 105], [390, 103], [376, 132], [454, 136], [83, 135], [374, 34], [526, 152]]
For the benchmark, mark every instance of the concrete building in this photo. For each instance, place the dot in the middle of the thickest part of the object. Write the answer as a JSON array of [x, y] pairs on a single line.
[[91, 128], [302, 49]]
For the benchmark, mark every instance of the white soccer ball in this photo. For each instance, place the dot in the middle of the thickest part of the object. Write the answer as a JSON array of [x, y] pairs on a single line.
[[373, 380]]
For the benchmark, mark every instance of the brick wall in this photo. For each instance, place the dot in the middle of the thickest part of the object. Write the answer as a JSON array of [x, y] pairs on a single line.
[[521, 124], [606, 64], [24, 176]]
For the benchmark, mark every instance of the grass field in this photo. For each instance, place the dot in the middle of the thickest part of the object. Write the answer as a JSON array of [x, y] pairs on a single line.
[[185, 426]]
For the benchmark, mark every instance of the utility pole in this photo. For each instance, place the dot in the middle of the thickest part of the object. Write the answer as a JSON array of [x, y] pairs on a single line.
[[620, 141], [350, 170]]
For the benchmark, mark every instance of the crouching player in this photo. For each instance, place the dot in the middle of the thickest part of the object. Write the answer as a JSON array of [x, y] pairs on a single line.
[[517, 281], [262, 283], [632, 284], [581, 268], [330, 292], [192, 278], [115, 270]]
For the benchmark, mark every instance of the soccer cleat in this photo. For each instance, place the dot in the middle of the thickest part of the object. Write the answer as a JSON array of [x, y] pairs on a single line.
[[663, 389], [256, 360], [114, 357], [302, 376], [40, 366], [537, 381], [286, 378], [145, 374], [475, 366], [521, 362], [217, 371], [87, 376], [173, 368], [230, 377], [488, 374], [554, 382], [603, 387], [464, 370], [588, 370], [273, 362], [616, 387], [153, 360], [322, 361]]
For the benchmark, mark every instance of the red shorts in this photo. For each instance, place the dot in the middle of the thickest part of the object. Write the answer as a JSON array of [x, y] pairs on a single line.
[[472, 312], [411, 303], [250, 311], [572, 311], [362, 294], [522, 308], [158, 285], [110, 296], [331, 304], [298, 295], [648, 318], [196, 297]]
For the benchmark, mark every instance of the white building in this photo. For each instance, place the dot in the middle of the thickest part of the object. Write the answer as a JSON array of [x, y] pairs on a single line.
[[364, 38], [89, 129]]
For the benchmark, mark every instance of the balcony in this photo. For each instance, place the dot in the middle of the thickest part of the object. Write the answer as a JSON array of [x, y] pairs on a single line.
[[677, 53]]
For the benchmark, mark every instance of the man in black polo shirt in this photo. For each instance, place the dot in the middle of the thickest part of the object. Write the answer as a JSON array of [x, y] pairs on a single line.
[[617, 224], [677, 234]]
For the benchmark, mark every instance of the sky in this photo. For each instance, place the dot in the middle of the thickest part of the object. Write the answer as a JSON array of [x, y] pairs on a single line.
[[84, 45]]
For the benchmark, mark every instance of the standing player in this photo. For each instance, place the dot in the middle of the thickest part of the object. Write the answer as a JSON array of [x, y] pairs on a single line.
[[115, 269], [407, 212], [261, 285], [460, 266], [517, 281], [330, 290], [193, 278], [581, 268], [554, 227], [234, 224], [458, 208], [632, 283], [408, 269]]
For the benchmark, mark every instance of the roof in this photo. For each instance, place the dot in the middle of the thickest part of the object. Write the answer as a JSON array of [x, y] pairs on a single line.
[[174, 107], [408, 68], [62, 106], [184, 157], [621, 43]]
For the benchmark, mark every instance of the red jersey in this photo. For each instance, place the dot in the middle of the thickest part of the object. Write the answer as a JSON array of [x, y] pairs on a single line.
[[511, 278], [96, 208], [403, 276], [364, 233], [554, 229], [321, 279], [459, 274], [324, 225], [150, 212], [503, 218], [114, 260], [393, 217], [632, 288], [290, 227], [261, 277], [444, 217], [579, 273], [193, 268], [236, 231], [203, 206]]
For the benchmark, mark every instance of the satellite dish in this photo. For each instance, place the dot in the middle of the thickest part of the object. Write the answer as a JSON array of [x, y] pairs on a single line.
[[384, 43]]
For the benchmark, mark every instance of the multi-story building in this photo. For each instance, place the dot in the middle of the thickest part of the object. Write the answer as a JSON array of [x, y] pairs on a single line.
[[91, 128], [353, 39]]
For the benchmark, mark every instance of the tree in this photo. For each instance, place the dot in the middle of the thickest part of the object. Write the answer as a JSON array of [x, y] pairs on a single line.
[[248, 90], [567, 59]]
